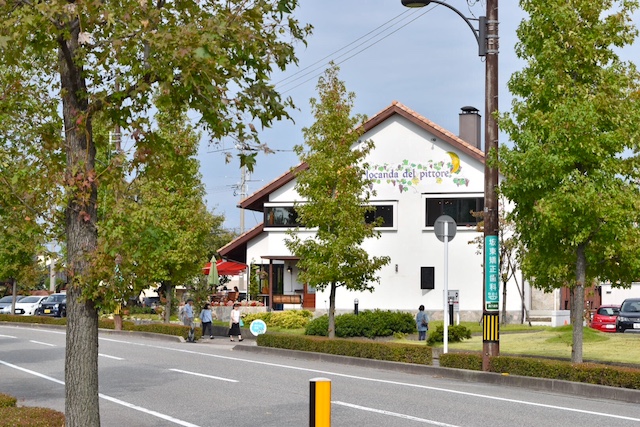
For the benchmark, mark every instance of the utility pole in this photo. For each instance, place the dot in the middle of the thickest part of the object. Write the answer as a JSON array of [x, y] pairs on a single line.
[[490, 309]]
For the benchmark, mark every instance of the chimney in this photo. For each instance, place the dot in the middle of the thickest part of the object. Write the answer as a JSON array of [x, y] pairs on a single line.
[[470, 126]]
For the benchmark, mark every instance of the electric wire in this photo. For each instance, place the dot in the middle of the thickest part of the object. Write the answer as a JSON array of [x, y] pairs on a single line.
[[368, 40]]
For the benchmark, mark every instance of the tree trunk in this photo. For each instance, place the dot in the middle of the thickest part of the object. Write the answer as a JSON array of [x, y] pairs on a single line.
[[81, 361], [577, 306], [169, 296], [332, 311], [14, 293]]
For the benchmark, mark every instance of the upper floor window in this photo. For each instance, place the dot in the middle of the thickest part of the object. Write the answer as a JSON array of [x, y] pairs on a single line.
[[458, 208], [280, 216], [381, 211]]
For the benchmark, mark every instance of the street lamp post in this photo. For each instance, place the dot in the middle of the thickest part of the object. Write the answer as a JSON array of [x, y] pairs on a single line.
[[487, 38]]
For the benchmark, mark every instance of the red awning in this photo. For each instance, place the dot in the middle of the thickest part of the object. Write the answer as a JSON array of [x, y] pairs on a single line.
[[226, 268]]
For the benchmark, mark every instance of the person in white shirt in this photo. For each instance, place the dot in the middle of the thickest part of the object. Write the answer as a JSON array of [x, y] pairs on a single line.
[[234, 323]]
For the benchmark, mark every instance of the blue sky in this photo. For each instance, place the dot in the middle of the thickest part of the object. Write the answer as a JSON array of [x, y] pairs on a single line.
[[431, 65]]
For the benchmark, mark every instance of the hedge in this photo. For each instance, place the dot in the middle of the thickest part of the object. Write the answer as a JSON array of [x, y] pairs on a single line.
[[590, 373], [407, 353]]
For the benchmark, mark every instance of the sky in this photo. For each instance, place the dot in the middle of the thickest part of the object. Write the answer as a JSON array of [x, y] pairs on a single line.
[[426, 59]]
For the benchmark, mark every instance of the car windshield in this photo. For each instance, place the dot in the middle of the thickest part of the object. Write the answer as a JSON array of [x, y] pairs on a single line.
[[9, 298], [630, 306], [609, 311], [30, 299], [56, 298]]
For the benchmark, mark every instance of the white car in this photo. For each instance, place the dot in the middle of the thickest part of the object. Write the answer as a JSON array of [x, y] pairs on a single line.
[[27, 305]]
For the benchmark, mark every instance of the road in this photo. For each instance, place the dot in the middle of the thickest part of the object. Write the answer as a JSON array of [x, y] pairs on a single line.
[[151, 382]]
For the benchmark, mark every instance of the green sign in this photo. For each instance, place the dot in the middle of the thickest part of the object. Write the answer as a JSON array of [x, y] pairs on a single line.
[[491, 273]]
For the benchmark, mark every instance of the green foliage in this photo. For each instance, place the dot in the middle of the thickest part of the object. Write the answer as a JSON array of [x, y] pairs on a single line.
[[591, 373], [25, 416], [370, 324], [336, 194], [572, 171], [613, 376], [456, 333], [406, 353], [471, 361], [7, 401], [290, 319]]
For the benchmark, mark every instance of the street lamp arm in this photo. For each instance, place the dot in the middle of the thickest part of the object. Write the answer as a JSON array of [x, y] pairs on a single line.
[[479, 34]]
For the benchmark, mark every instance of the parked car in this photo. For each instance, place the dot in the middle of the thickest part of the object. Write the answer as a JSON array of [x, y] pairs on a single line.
[[604, 319], [54, 305], [152, 302], [5, 303], [27, 306], [629, 316]]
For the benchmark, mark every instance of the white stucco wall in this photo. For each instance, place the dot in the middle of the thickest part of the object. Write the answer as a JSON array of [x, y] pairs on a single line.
[[421, 166]]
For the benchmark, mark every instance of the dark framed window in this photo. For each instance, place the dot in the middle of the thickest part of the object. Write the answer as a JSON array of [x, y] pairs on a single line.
[[280, 216], [381, 211], [457, 208]]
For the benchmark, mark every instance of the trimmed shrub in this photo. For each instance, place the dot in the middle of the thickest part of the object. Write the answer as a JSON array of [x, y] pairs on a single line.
[[471, 361], [407, 353], [455, 333], [591, 373], [290, 319], [370, 324], [25, 416], [7, 401]]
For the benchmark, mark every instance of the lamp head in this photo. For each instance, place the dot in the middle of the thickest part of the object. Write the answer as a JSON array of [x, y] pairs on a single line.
[[415, 3], [289, 269]]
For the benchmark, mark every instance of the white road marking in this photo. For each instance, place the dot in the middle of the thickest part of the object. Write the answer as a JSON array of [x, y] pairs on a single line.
[[394, 414], [109, 398], [7, 336], [110, 357], [204, 375], [43, 343], [444, 390]]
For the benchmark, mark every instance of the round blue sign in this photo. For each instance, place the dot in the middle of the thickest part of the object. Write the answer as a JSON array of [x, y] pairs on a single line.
[[258, 327]]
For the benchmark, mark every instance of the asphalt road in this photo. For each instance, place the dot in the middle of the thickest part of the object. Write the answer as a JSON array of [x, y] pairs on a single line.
[[151, 382]]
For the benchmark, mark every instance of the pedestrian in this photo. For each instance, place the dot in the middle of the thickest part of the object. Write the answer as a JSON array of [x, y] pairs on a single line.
[[422, 323], [206, 317], [187, 313], [234, 322]]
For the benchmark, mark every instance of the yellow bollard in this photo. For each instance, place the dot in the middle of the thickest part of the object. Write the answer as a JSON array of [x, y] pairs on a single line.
[[320, 402]]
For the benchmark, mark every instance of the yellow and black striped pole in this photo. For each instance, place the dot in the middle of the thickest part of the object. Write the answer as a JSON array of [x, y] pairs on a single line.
[[319, 402]]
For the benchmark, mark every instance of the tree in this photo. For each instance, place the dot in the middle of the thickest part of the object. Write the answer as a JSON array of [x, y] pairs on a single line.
[[572, 172], [336, 193], [119, 59]]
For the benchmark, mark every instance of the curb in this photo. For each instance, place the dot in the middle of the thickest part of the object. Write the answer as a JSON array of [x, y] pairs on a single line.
[[541, 384]]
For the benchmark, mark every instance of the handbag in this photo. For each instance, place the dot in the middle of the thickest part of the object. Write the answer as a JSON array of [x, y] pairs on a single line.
[[241, 323]]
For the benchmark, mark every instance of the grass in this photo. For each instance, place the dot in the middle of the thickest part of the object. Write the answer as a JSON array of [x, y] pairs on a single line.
[[556, 342]]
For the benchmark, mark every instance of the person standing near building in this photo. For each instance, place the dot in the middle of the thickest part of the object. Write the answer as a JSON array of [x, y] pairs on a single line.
[[206, 317], [422, 323], [234, 322]]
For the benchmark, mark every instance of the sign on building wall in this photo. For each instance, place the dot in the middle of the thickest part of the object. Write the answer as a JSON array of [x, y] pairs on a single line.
[[492, 273], [410, 174]]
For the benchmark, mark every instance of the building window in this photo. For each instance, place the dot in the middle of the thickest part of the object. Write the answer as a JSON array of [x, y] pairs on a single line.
[[381, 211], [457, 208], [280, 216]]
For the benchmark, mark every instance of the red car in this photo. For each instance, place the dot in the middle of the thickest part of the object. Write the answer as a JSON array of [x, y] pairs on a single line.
[[604, 318]]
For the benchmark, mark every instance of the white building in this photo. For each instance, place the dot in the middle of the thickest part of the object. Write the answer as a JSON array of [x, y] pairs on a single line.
[[420, 172]]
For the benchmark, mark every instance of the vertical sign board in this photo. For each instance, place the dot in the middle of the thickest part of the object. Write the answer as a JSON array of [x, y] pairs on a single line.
[[492, 273], [319, 402]]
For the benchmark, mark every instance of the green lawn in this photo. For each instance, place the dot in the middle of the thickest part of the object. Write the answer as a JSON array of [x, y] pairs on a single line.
[[556, 342]]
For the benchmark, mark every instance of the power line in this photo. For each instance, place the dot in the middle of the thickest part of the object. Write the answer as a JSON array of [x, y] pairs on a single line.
[[369, 39]]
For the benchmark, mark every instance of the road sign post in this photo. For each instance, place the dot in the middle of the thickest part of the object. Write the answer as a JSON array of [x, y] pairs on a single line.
[[445, 228]]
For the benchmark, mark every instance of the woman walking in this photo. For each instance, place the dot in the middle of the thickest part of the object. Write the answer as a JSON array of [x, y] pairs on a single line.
[[422, 323], [234, 323], [206, 317]]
